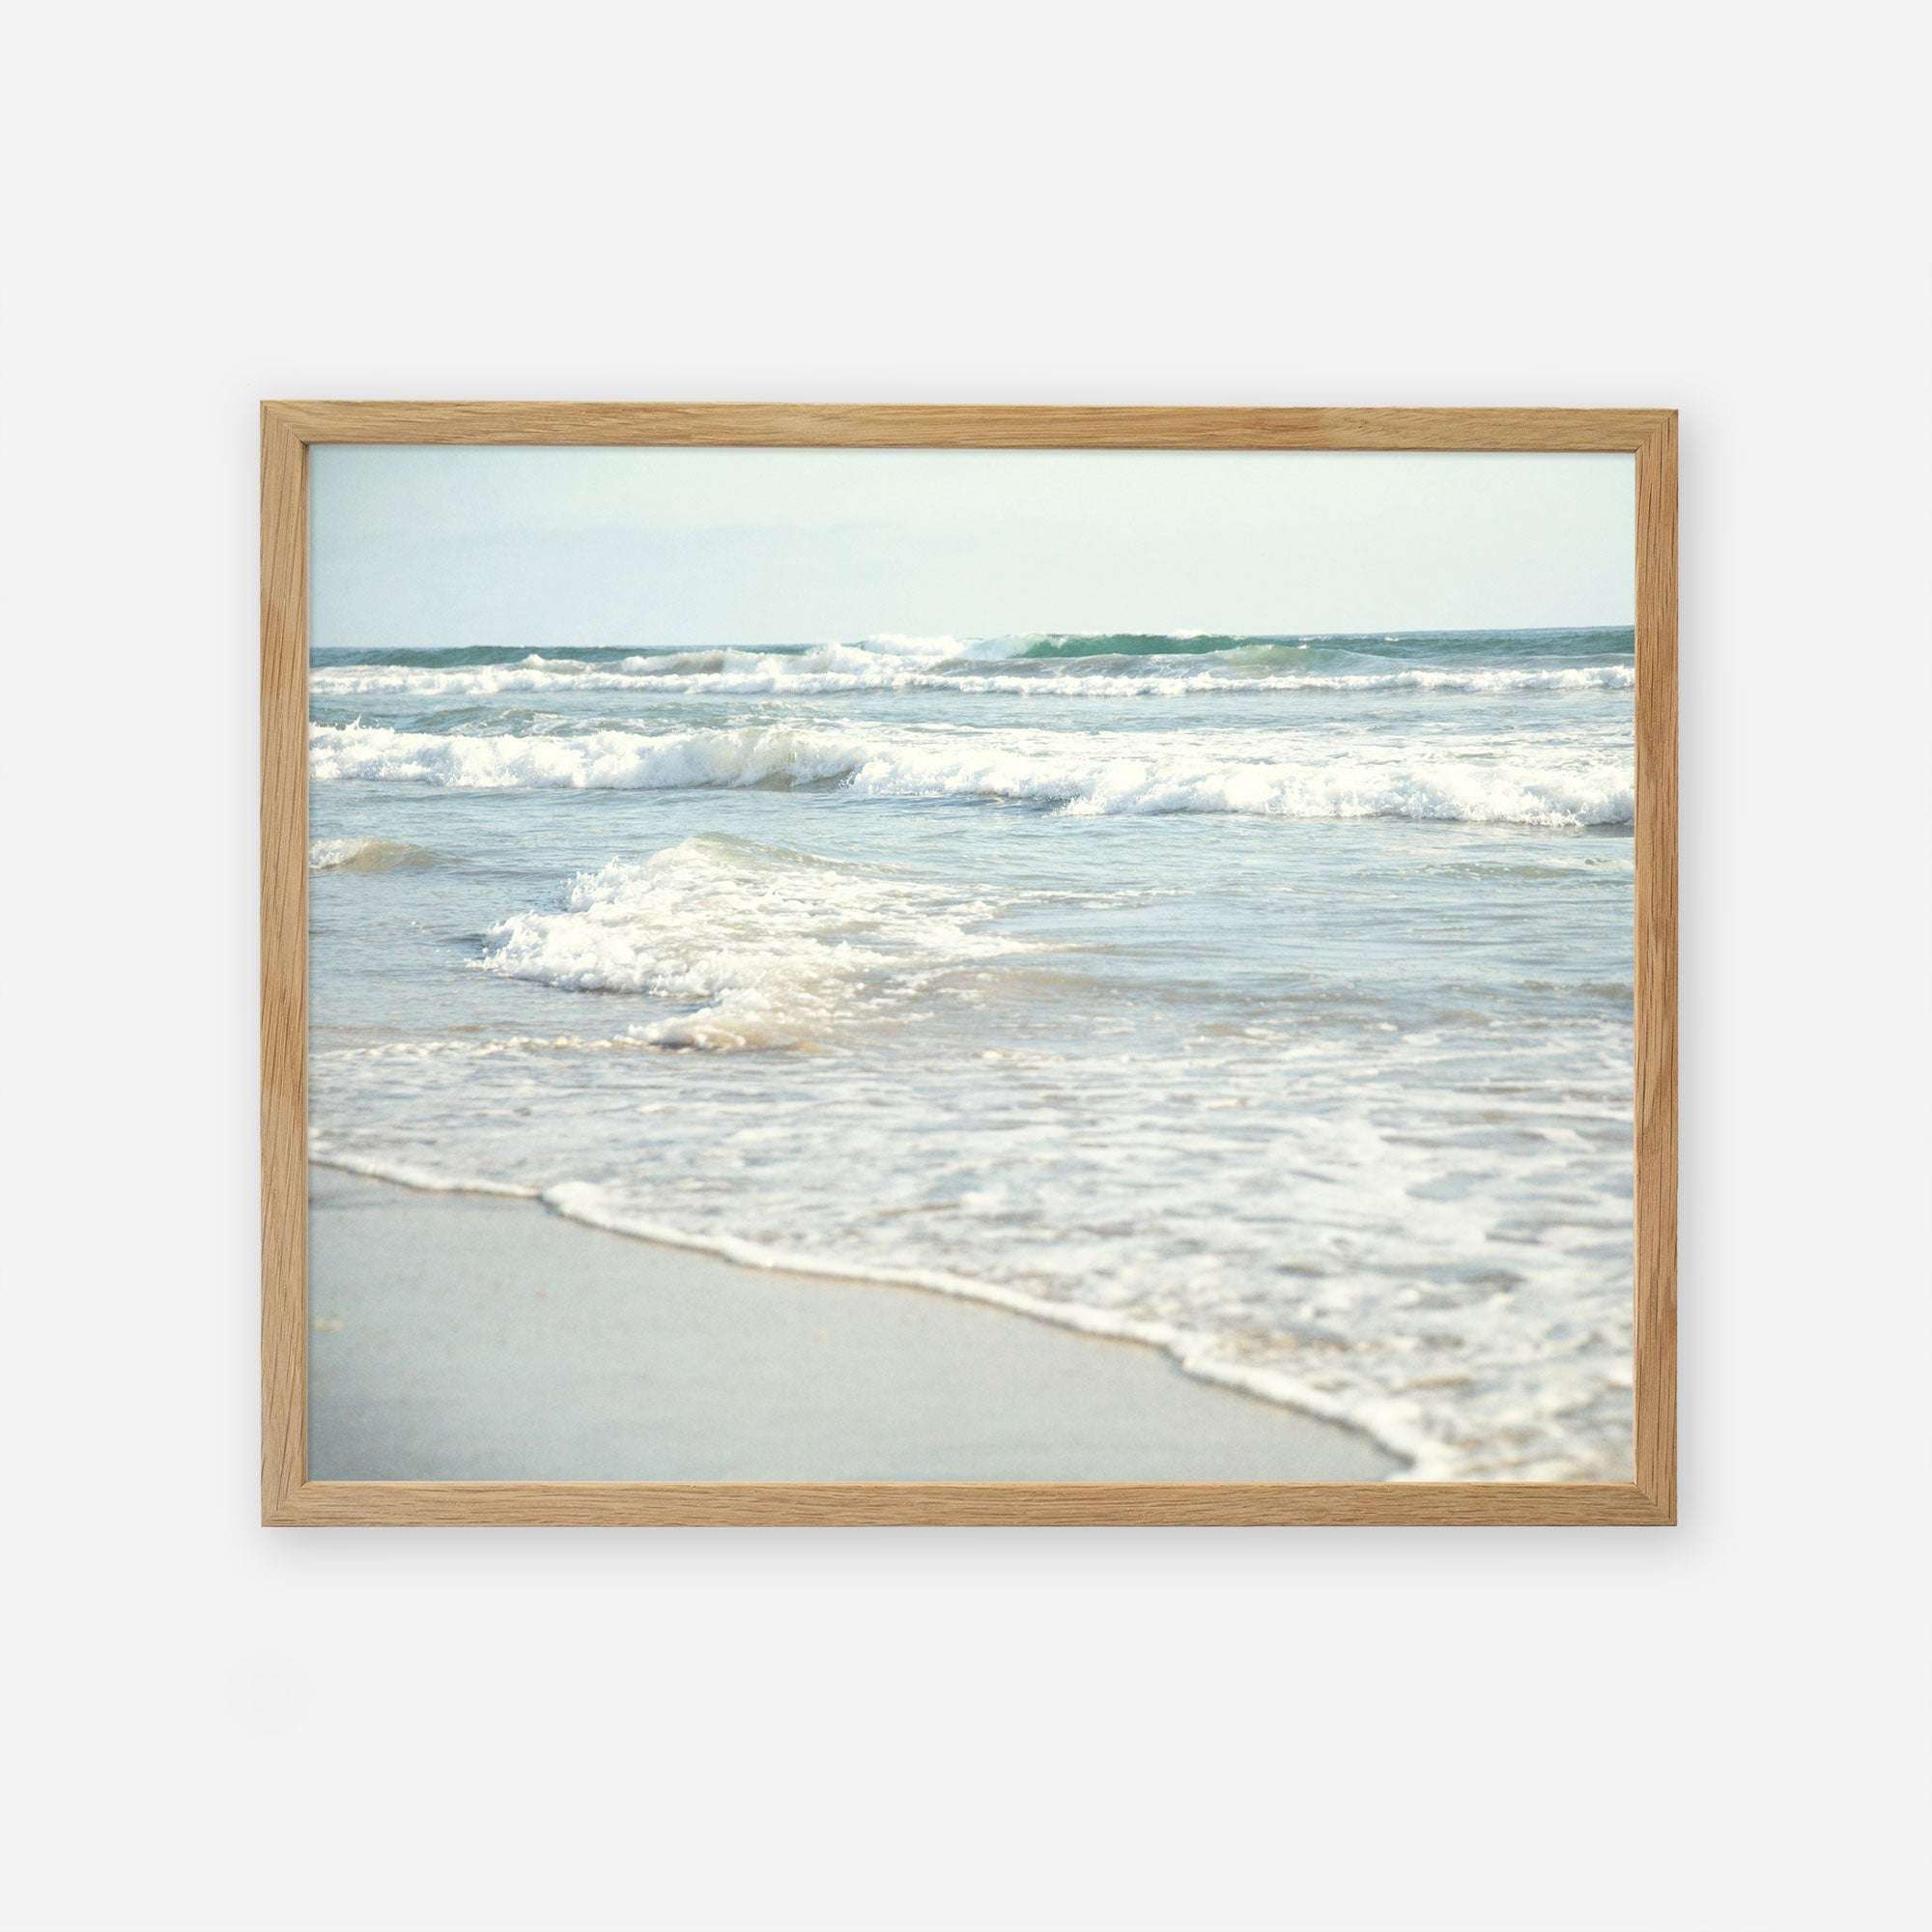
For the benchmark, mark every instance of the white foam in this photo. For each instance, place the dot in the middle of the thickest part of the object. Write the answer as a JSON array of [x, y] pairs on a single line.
[[1173, 775], [1483, 1335], [770, 948], [406, 1175]]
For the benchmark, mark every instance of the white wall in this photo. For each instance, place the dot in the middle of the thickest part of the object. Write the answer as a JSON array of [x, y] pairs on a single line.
[[221, 1726]]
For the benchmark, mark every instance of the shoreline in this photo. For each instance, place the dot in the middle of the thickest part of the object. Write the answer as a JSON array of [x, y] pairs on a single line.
[[475, 1336]]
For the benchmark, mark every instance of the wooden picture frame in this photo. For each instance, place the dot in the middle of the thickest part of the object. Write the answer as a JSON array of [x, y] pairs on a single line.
[[289, 429]]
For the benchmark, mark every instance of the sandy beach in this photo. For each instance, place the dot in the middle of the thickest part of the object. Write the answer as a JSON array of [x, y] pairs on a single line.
[[465, 1337]]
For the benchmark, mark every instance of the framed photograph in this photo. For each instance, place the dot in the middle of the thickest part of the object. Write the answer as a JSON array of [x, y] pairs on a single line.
[[968, 965]]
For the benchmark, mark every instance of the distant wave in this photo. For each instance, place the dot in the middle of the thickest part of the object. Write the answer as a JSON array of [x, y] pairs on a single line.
[[1035, 768], [1112, 663], [366, 855], [833, 669], [1027, 645]]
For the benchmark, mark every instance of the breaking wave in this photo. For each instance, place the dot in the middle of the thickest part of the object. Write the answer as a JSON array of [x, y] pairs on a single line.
[[782, 949], [1035, 768], [366, 855]]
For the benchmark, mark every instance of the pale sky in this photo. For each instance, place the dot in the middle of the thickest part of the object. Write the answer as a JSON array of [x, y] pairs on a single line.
[[434, 546]]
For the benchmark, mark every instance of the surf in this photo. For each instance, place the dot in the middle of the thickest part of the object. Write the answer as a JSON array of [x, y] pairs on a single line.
[[763, 946], [1041, 769]]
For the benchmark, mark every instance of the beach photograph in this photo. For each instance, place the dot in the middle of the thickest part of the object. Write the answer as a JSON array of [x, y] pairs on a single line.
[[964, 965]]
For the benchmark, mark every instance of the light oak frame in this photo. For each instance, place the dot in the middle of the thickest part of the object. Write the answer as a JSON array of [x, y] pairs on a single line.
[[288, 1495]]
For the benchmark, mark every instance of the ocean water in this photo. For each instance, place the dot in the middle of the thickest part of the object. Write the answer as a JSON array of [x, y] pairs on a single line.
[[1267, 999]]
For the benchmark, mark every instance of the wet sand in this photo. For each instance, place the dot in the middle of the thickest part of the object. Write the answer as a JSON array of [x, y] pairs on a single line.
[[465, 1337]]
